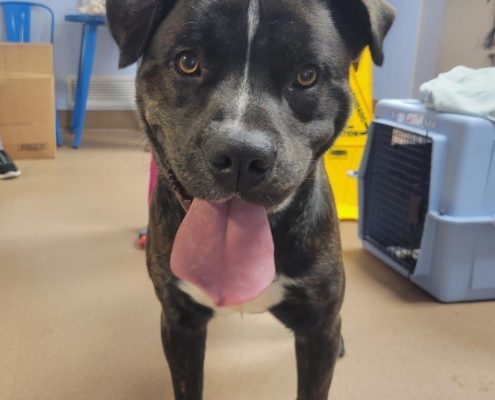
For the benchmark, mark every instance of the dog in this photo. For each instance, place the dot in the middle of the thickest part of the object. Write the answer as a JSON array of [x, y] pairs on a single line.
[[240, 99]]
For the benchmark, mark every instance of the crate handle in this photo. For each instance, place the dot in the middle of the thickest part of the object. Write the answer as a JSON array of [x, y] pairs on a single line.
[[448, 219]]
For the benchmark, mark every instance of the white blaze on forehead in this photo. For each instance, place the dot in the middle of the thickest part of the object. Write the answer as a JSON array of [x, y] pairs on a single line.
[[253, 20], [253, 23]]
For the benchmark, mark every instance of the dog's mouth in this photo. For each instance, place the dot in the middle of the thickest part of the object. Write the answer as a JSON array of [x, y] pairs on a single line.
[[178, 188], [224, 248]]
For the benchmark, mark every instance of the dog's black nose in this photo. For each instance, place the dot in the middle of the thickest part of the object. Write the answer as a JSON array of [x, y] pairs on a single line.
[[240, 160]]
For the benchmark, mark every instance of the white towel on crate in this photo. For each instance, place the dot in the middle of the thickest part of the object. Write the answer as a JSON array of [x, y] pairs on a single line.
[[463, 91], [94, 7]]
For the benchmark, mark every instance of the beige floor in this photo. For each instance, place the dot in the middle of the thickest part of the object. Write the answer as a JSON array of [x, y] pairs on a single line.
[[78, 318]]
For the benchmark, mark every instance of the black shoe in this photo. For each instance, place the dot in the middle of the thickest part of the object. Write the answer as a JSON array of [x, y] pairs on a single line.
[[8, 170]]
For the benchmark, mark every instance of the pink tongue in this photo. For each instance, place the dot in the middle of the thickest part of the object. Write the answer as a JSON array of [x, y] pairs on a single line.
[[226, 250]]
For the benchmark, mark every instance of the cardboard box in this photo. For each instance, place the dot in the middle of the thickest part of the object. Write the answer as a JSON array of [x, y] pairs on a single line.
[[27, 100]]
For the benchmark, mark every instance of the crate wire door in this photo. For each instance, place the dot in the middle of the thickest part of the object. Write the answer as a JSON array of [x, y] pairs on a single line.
[[397, 191]]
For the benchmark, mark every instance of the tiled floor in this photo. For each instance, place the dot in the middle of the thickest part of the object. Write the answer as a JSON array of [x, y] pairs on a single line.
[[78, 317]]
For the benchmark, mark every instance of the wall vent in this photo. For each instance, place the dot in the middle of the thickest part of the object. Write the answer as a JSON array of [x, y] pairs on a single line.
[[106, 93]]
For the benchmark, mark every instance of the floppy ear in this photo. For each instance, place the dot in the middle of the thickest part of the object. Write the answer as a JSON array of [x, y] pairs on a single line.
[[363, 23], [133, 23]]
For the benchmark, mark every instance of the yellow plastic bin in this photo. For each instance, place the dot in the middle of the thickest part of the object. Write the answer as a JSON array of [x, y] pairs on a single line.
[[345, 155]]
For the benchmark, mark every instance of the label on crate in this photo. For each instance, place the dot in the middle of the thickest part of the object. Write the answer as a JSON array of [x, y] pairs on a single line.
[[415, 119]]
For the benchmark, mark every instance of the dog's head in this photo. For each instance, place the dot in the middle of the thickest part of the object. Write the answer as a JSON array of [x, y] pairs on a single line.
[[243, 97]]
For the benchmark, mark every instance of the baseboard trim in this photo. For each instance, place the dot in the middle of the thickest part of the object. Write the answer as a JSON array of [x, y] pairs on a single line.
[[114, 119]]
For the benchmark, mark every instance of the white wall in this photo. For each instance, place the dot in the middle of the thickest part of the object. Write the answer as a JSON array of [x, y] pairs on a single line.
[[467, 23], [430, 37], [430, 32], [395, 78], [67, 44], [411, 48]]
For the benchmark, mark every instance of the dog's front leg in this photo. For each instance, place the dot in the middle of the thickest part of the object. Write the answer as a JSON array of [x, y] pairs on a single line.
[[316, 354], [318, 345], [184, 347]]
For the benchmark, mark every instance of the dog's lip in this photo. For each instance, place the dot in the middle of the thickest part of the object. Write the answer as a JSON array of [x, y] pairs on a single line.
[[185, 198], [271, 209], [175, 184]]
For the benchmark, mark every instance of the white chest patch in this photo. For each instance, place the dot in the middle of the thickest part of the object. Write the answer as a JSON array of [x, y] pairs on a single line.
[[270, 298]]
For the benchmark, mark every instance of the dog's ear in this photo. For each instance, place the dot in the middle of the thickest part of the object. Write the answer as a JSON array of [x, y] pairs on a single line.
[[363, 23], [133, 23]]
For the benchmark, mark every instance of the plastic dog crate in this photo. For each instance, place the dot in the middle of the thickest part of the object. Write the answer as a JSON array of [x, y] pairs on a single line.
[[427, 199]]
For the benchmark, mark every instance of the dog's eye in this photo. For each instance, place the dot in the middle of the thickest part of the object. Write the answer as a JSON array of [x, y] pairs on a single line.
[[188, 63], [307, 77]]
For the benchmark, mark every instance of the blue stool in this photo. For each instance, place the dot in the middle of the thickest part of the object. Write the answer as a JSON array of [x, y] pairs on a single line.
[[17, 17], [86, 60]]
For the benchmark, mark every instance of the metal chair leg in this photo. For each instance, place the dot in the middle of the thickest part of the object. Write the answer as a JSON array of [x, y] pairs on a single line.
[[58, 130], [77, 95], [90, 36]]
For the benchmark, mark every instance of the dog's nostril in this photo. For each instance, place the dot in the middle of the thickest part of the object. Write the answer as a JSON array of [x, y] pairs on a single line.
[[258, 167], [221, 162]]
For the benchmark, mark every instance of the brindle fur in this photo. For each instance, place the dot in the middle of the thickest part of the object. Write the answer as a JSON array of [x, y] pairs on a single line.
[[179, 115]]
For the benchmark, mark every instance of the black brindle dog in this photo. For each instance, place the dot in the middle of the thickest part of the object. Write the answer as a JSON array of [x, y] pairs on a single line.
[[240, 99]]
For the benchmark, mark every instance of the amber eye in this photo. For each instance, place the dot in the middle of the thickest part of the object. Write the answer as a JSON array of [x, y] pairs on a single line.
[[307, 77], [188, 63]]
